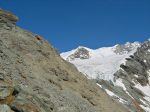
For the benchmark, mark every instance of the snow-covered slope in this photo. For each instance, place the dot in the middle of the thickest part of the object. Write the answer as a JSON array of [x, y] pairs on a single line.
[[128, 66], [100, 63], [131, 84]]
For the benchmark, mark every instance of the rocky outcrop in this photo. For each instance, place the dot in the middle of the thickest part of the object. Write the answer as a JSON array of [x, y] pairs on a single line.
[[137, 66], [7, 19], [34, 78], [6, 16], [81, 53], [132, 82], [126, 48]]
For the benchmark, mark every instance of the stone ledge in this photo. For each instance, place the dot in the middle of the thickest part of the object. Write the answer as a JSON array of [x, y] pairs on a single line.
[[6, 16]]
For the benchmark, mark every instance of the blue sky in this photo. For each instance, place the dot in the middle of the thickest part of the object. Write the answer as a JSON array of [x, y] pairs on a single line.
[[91, 23]]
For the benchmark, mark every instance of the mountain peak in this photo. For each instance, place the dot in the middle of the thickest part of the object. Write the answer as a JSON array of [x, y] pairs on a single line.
[[101, 62], [126, 48], [80, 53]]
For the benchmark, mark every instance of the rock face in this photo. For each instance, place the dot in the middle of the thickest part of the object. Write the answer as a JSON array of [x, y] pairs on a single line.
[[132, 81], [7, 20], [81, 53], [136, 77], [34, 78], [122, 71], [126, 48]]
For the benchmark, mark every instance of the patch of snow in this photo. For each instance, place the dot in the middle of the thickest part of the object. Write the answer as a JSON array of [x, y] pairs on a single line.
[[136, 76], [144, 89], [109, 92], [148, 50], [99, 85], [120, 83], [147, 109], [133, 82], [129, 94], [143, 102], [145, 61], [112, 94], [147, 98]]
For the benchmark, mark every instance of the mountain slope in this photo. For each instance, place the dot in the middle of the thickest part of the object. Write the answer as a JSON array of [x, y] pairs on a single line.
[[34, 78], [135, 76], [122, 71]]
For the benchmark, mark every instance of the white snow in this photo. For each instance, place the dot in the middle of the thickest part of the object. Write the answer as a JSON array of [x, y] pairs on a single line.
[[120, 83], [103, 62], [129, 94], [109, 92], [143, 102], [112, 94], [147, 98], [145, 61], [144, 89], [136, 76], [99, 85], [147, 109]]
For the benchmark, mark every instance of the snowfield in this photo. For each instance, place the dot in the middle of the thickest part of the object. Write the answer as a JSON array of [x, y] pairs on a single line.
[[103, 62]]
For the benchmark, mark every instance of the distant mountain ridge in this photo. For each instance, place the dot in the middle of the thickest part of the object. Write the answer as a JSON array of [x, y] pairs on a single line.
[[122, 71], [102, 62]]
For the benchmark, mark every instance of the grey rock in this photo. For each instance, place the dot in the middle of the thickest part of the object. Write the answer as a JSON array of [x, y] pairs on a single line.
[[1, 76], [138, 64], [126, 48], [81, 53], [5, 108], [5, 92], [37, 79]]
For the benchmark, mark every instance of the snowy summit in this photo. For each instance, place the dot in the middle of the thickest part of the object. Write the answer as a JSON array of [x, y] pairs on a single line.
[[100, 63]]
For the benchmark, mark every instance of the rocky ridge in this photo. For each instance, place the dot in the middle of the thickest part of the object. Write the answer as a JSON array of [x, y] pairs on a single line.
[[80, 53], [34, 78], [132, 81], [102, 62]]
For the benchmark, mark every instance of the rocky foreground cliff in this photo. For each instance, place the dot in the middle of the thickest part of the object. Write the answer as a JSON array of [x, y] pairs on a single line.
[[34, 78]]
